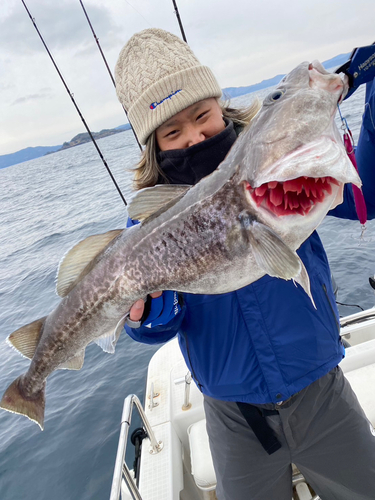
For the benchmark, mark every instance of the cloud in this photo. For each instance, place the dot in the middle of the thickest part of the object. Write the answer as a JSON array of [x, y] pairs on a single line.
[[242, 42], [7, 86], [33, 97], [62, 24]]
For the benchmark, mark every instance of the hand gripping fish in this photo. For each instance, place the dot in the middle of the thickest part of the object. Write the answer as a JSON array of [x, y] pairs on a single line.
[[245, 220]]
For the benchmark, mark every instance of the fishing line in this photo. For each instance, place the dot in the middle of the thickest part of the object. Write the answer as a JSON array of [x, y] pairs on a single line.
[[75, 104], [344, 123], [137, 11], [108, 69], [349, 305]]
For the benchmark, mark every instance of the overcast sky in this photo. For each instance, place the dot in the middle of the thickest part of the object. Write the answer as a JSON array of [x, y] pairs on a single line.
[[243, 41]]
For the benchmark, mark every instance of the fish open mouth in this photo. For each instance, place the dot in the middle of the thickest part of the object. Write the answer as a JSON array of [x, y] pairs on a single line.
[[294, 196]]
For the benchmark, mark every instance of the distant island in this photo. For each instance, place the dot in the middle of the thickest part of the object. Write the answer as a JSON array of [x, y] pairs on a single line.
[[85, 137], [32, 153], [229, 92]]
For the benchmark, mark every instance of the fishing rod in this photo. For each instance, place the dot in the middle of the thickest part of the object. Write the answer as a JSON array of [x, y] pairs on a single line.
[[75, 104], [179, 21], [108, 69]]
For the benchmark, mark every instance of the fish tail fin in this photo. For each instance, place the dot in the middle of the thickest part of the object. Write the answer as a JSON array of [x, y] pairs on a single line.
[[15, 401]]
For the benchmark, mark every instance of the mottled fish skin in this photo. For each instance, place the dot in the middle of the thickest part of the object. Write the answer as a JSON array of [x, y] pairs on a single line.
[[213, 239], [185, 254]]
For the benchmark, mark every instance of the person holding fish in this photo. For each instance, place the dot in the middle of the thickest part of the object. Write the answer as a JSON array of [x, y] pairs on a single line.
[[264, 356], [227, 234]]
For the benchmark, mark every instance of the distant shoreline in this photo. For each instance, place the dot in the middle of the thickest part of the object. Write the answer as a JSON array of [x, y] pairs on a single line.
[[33, 153]]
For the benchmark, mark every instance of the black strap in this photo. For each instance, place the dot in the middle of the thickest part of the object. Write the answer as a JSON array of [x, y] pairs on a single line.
[[255, 417]]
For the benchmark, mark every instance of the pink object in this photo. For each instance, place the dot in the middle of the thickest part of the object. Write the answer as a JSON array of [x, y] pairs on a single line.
[[359, 200]]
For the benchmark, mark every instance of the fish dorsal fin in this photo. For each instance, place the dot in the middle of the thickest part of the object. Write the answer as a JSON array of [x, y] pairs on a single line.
[[74, 363], [26, 339], [108, 341], [74, 265], [150, 200]]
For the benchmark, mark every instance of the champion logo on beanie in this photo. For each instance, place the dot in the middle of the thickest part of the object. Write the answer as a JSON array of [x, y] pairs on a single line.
[[157, 76], [154, 104]]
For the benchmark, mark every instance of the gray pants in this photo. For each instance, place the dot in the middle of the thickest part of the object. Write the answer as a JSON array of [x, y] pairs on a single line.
[[322, 430]]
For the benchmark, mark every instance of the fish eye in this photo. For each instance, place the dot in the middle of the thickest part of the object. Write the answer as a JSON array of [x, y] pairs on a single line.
[[274, 96]]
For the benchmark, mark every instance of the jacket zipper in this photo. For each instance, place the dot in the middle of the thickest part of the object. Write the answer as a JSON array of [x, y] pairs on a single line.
[[330, 305], [191, 365]]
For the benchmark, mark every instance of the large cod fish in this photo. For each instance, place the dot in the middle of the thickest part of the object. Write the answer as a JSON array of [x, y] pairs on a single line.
[[245, 220]]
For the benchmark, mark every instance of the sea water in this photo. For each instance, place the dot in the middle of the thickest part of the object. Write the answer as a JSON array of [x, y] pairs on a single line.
[[48, 205]]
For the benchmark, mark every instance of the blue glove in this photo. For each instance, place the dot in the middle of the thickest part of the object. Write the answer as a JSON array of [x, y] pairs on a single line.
[[360, 68], [163, 309]]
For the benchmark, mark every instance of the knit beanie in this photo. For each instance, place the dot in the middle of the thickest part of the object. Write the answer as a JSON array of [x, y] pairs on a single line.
[[157, 75]]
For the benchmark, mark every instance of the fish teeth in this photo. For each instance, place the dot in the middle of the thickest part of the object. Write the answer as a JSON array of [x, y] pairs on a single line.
[[293, 196], [261, 190], [276, 195]]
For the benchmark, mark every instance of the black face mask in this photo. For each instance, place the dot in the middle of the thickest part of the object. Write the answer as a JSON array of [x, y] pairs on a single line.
[[190, 165]]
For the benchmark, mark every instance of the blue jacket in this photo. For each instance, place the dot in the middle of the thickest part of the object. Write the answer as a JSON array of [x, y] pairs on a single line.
[[265, 342]]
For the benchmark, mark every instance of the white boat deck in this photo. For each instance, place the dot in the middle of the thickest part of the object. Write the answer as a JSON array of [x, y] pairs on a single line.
[[183, 470]]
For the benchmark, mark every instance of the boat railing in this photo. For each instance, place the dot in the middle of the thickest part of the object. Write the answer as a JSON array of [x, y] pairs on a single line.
[[187, 380], [121, 469], [360, 317]]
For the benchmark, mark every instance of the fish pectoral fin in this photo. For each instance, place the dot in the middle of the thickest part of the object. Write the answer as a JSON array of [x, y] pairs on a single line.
[[270, 252], [26, 339], [108, 341], [275, 257], [74, 363], [76, 263], [303, 280], [157, 199]]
